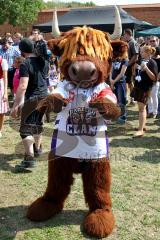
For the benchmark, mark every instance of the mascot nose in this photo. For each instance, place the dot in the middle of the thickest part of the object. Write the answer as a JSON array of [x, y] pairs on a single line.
[[84, 70]]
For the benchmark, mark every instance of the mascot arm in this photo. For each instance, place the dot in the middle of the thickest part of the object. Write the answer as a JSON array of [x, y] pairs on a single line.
[[106, 103], [53, 102]]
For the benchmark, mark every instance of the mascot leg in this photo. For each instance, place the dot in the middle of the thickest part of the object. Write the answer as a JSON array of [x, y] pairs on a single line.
[[59, 182], [97, 180]]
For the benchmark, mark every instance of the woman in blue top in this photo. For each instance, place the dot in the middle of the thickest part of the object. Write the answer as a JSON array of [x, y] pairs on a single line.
[[118, 79]]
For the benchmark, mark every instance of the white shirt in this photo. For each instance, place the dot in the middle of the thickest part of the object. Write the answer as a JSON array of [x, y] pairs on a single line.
[[4, 65], [80, 131]]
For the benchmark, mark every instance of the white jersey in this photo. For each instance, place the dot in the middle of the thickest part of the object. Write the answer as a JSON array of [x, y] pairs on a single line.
[[80, 131]]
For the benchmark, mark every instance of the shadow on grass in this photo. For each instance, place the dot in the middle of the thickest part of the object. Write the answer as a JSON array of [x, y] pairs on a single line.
[[116, 131], [145, 142], [157, 122], [131, 114], [5, 163], [13, 220], [127, 130], [149, 156]]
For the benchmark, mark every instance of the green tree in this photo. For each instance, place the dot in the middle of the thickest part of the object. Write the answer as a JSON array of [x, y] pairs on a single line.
[[61, 4], [20, 12]]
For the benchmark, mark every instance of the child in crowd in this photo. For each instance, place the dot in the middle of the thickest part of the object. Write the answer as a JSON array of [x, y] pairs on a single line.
[[3, 91], [53, 78], [16, 78], [54, 74]]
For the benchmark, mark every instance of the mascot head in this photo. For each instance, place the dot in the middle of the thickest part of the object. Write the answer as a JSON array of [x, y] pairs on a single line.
[[86, 53]]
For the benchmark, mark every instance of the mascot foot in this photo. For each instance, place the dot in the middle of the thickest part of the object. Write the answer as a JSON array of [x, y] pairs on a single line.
[[43, 209], [99, 223]]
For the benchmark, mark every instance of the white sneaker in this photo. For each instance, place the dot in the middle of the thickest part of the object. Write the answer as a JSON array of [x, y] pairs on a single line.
[[0, 134]]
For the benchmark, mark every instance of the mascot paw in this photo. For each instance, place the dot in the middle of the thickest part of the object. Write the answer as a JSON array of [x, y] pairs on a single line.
[[106, 107], [42, 209], [53, 102], [98, 104], [99, 223]]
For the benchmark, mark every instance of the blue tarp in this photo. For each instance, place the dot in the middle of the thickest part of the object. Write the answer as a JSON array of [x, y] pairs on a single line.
[[153, 31]]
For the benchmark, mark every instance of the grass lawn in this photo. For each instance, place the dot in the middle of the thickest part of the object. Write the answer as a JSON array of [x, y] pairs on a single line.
[[135, 187]]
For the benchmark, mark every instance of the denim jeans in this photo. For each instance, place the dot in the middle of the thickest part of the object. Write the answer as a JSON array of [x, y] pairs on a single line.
[[120, 92]]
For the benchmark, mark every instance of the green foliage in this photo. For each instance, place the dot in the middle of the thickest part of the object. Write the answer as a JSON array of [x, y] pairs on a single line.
[[61, 4], [19, 12], [24, 12]]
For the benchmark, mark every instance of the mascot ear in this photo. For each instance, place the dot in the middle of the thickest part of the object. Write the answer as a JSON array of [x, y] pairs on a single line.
[[53, 46], [120, 49]]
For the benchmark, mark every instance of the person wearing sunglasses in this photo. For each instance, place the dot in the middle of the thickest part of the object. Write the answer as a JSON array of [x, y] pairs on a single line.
[[154, 41]]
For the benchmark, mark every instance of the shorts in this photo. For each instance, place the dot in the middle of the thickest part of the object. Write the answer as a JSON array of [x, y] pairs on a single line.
[[140, 95], [31, 119]]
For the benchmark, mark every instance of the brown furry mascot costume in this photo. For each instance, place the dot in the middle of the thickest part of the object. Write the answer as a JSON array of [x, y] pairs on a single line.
[[83, 102]]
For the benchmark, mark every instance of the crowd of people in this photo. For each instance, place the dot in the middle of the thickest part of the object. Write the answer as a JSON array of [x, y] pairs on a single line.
[[29, 72], [135, 78]]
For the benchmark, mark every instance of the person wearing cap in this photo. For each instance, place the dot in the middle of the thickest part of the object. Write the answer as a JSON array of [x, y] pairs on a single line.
[[32, 88], [9, 52]]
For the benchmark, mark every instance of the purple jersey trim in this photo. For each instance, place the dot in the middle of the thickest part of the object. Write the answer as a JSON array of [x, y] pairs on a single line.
[[54, 140], [107, 145]]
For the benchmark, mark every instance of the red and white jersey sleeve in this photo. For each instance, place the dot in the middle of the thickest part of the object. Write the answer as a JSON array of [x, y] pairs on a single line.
[[103, 91]]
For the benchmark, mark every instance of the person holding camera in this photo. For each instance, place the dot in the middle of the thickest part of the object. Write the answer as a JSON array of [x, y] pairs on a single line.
[[146, 71]]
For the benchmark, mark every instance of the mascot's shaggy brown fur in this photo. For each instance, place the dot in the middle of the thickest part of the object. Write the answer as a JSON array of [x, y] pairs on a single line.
[[85, 60]]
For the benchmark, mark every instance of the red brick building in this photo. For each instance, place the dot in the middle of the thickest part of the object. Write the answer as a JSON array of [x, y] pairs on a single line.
[[146, 12]]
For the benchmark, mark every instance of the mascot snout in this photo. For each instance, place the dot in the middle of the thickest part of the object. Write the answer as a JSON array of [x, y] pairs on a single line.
[[82, 72]]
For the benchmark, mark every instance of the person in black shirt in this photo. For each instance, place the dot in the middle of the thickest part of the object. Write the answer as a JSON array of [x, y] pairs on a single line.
[[32, 88], [133, 52], [145, 75], [118, 79]]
